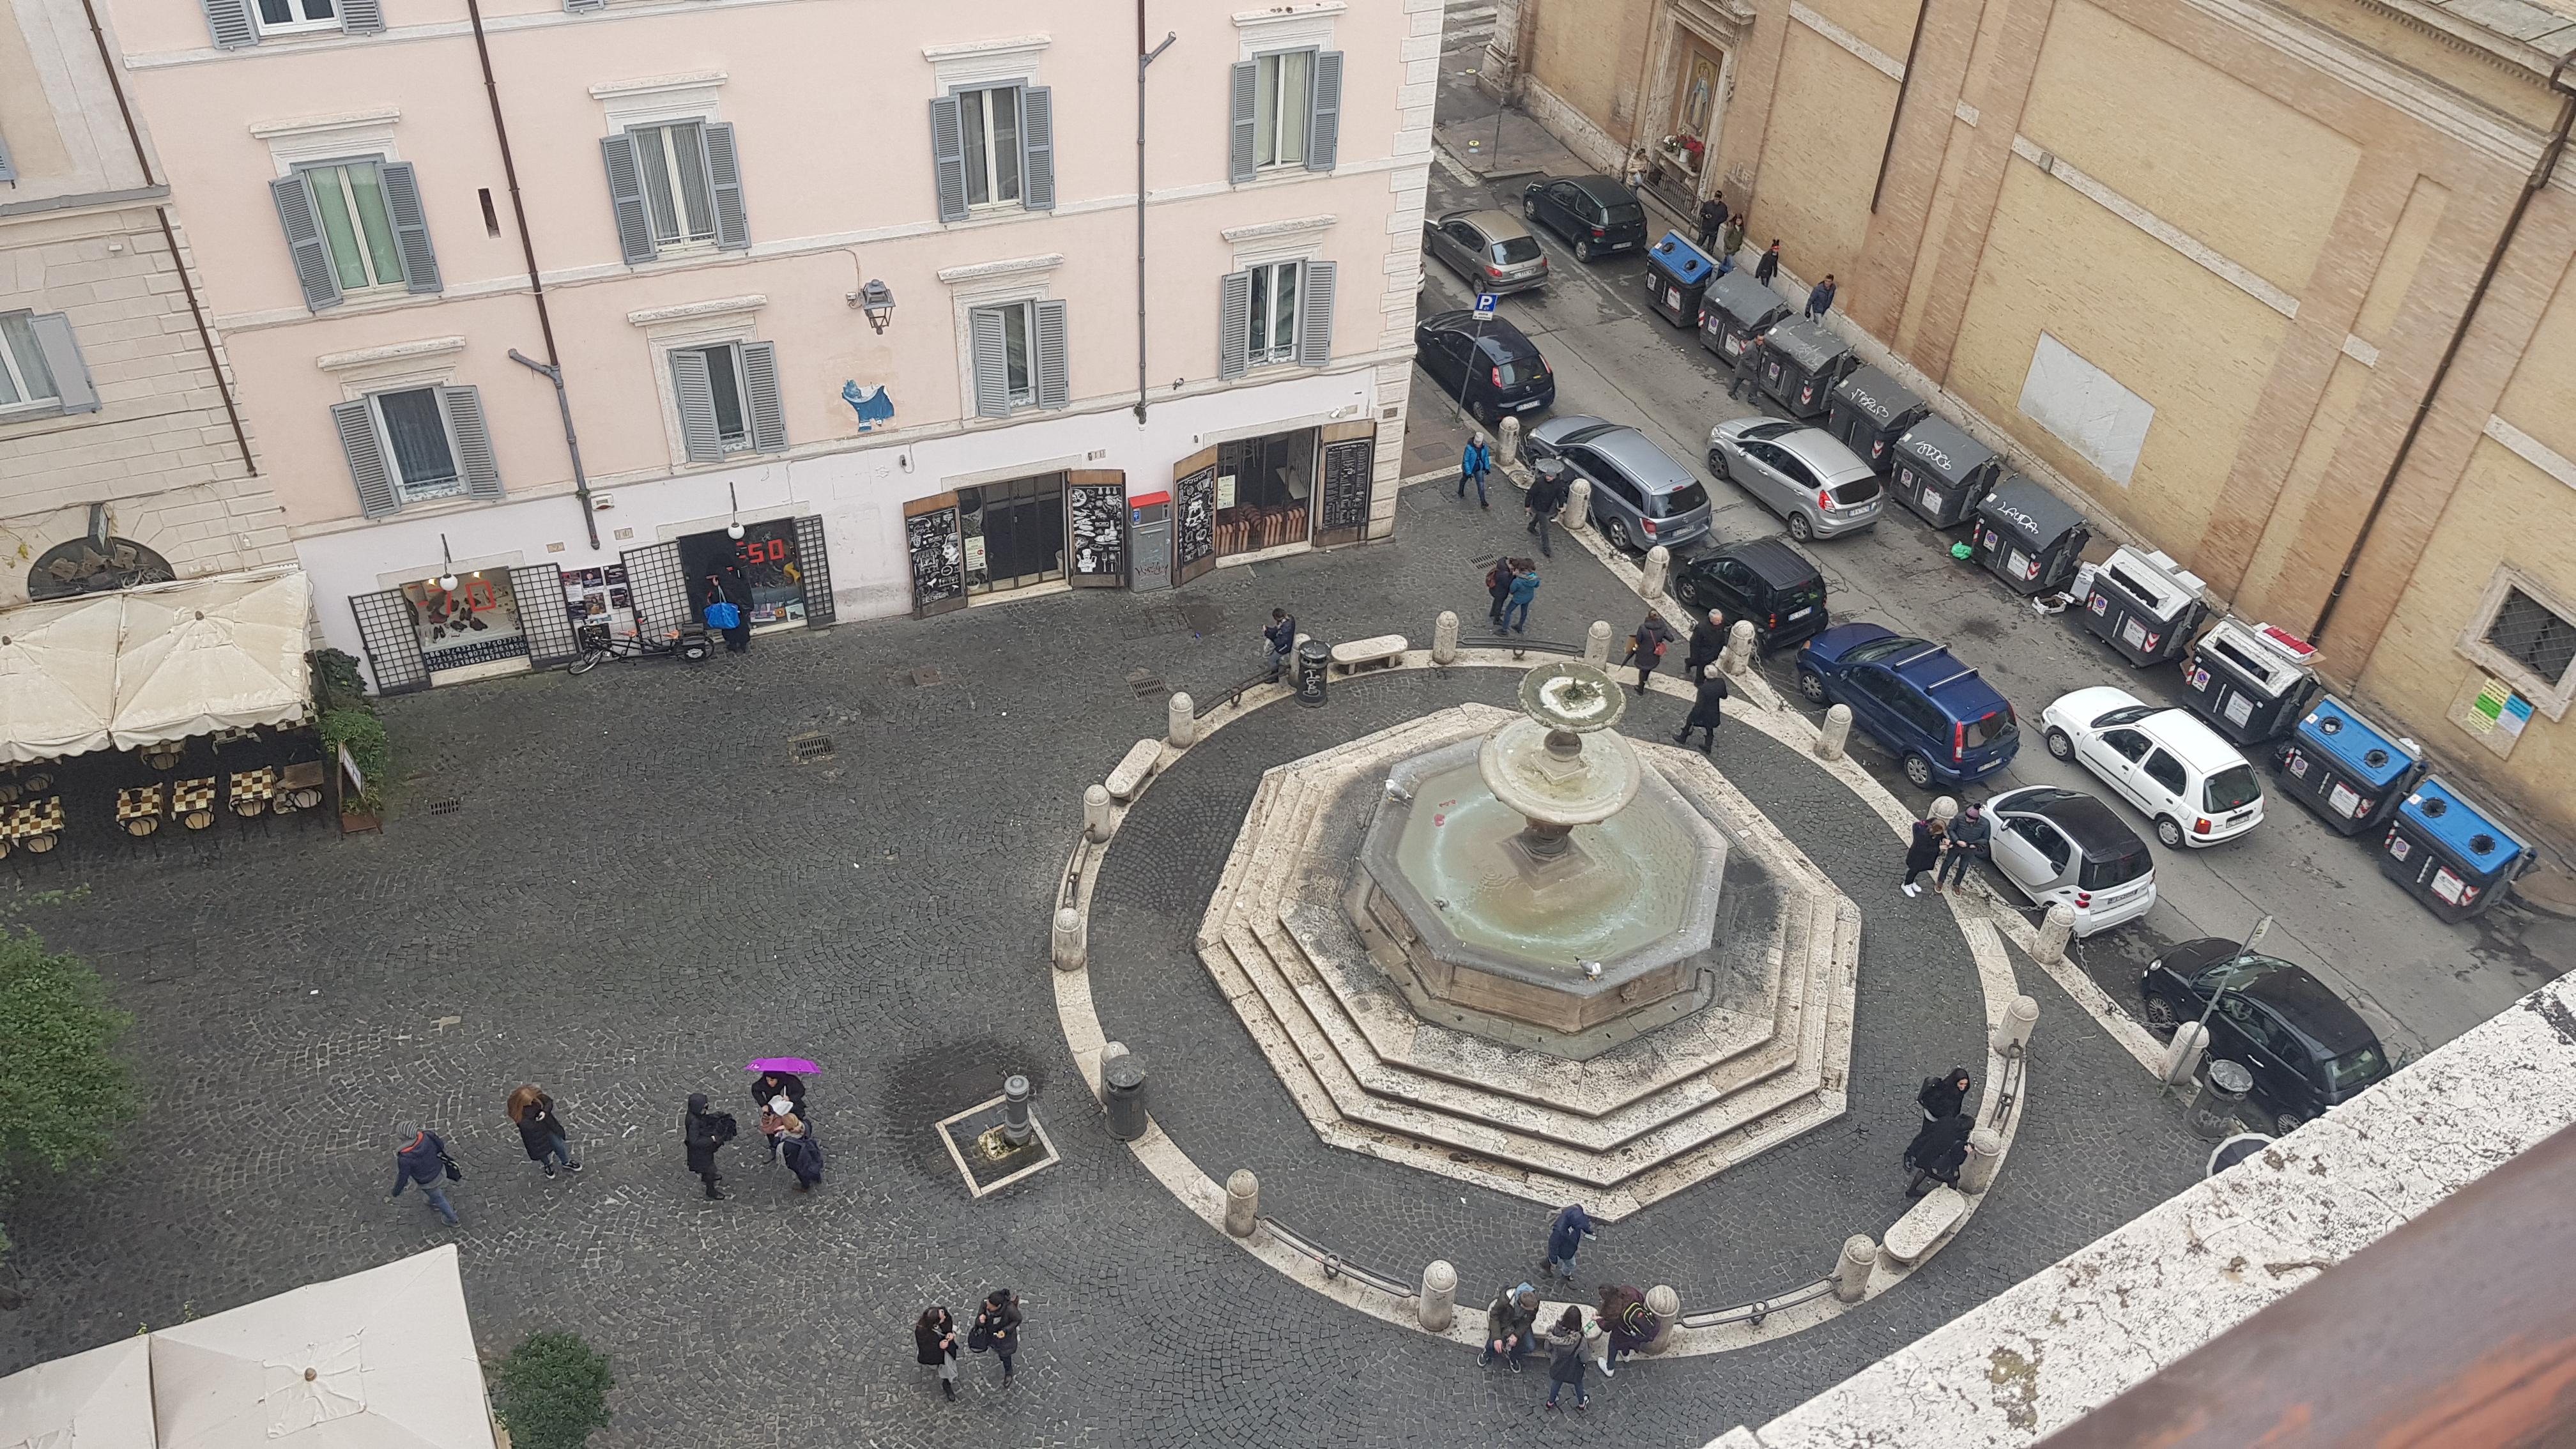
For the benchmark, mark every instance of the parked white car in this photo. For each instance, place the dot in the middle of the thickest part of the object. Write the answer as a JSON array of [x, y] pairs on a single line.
[[2179, 772], [2063, 847]]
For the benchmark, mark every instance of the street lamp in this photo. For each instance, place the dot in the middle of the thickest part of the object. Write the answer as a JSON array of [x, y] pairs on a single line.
[[733, 530], [877, 300], [447, 567]]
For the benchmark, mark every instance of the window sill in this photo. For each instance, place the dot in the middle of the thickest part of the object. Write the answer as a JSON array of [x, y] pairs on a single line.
[[2550, 700], [1269, 176], [35, 412]]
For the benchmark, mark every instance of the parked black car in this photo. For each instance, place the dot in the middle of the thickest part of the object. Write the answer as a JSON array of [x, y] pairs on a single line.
[[1595, 214], [1763, 580], [2308, 1049], [1500, 368]]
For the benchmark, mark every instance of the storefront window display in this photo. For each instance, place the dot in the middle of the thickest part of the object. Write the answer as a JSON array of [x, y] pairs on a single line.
[[477, 622], [1263, 486], [1013, 533], [759, 572]]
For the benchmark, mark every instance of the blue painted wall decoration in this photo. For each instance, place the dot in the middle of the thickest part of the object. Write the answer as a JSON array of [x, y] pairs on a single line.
[[874, 405]]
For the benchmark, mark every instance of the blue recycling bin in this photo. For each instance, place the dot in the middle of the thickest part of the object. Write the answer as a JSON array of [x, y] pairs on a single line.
[[2450, 854], [2345, 769], [1677, 276]]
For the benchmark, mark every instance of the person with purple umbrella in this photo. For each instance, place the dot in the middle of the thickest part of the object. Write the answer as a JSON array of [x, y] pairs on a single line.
[[778, 1078]]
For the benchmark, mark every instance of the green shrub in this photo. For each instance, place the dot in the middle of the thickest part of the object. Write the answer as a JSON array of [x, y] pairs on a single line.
[[553, 1392], [364, 734], [336, 682], [64, 1095]]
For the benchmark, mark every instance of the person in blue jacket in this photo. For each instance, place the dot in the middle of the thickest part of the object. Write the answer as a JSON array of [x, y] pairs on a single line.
[[1571, 1230], [1474, 462], [421, 1161], [1524, 588]]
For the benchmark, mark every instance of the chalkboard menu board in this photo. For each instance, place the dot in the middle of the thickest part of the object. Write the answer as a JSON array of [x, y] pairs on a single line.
[[1346, 483], [1095, 508], [934, 538], [1194, 524]]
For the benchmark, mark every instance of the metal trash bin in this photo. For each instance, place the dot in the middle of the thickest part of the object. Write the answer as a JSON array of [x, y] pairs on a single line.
[[1314, 664], [2029, 537], [2213, 1115], [2145, 605], [2342, 768], [1801, 362], [2250, 681], [1122, 1090], [1677, 276], [1734, 310], [1942, 473], [1869, 411], [2450, 854]]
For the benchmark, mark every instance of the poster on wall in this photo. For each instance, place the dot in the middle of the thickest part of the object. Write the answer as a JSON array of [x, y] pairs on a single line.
[[1194, 522], [933, 535], [1095, 509]]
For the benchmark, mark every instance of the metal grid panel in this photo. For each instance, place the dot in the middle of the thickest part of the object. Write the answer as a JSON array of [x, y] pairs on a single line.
[[661, 589], [814, 564], [539, 588], [388, 627]]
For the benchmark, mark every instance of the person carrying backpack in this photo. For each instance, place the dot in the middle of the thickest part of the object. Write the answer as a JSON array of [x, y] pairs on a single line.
[[1498, 587], [702, 1132], [1565, 1343], [1628, 1322]]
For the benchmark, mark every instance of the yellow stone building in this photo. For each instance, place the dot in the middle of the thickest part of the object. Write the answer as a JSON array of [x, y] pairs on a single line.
[[2292, 283]]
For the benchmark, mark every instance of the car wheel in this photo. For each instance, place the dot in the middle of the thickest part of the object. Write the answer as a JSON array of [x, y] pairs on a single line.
[[1919, 771], [1799, 529], [2169, 830], [1812, 685], [1717, 466], [2160, 1013], [1616, 530], [1583, 251], [2060, 745], [2285, 1123], [1529, 207]]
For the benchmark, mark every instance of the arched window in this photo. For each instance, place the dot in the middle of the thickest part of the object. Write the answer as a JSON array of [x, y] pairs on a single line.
[[94, 566]]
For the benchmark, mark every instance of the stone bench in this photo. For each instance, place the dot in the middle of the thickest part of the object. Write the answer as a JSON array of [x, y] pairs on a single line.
[[1923, 1225], [1134, 770], [1385, 650]]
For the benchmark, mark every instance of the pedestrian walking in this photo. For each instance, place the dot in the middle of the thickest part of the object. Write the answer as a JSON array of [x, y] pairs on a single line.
[[934, 1345], [997, 1329], [1498, 587], [1924, 853], [1748, 368], [1646, 648], [1769, 267], [702, 1132], [1474, 462], [803, 1155], [1972, 835], [1731, 240], [1712, 218], [422, 1161], [1707, 641], [1938, 1152], [1281, 639], [1708, 711], [1509, 1326], [1820, 297], [1565, 1344], [1943, 1096], [1545, 499], [1627, 1326], [773, 1084], [1524, 589], [1566, 1235], [541, 1129], [725, 617], [1637, 169]]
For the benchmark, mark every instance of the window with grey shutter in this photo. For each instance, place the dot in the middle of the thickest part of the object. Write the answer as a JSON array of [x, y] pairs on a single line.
[[948, 156], [992, 377], [1315, 316], [411, 226], [761, 398], [473, 441], [578, 7], [304, 244], [62, 355], [1054, 388], [231, 23], [626, 198], [1324, 122], [1240, 165], [1234, 324], [1037, 148], [362, 17], [724, 177], [699, 438], [367, 469]]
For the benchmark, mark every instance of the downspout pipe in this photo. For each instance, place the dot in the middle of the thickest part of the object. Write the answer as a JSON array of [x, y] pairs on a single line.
[[1144, 58], [553, 368], [2531, 187]]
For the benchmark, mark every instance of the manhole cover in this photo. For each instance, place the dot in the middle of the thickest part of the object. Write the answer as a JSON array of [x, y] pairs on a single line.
[[806, 749], [445, 807], [924, 675], [1145, 683]]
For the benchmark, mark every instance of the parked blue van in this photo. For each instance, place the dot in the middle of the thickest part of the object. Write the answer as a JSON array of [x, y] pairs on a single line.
[[1944, 724]]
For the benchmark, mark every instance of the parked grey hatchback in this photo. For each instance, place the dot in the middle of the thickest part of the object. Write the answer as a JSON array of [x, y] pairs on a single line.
[[1640, 496], [1491, 249], [1820, 487]]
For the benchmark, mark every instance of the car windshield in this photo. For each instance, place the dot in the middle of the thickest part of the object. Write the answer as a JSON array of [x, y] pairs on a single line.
[[1878, 649], [1682, 500], [2102, 875], [1624, 212], [2236, 974], [1992, 729], [2357, 1068], [2233, 788], [1516, 249], [2125, 714], [1519, 369], [1856, 492]]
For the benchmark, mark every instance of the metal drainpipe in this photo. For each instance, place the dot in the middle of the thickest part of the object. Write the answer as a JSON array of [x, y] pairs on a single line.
[[1144, 58], [553, 370], [2531, 187], [170, 239]]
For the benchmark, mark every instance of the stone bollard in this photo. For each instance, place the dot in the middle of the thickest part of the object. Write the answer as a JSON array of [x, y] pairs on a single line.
[[1072, 940], [1017, 1129], [1985, 1154], [1836, 734], [1666, 1305], [1508, 441], [1095, 813], [1945, 810], [1444, 634], [1578, 505], [1242, 1202], [2056, 929], [1659, 572], [1180, 721], [2014, 1030], [2183, 1053], [1851, 1273], [1596, 642], [1438, 1302], [1737, 656]]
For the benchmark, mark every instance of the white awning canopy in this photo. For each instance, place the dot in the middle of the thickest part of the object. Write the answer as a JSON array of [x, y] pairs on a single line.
[[154, 664], [101, 1399]]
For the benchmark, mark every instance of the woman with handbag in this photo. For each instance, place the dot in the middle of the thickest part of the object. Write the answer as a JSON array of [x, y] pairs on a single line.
[[934, 1345], [997, 1329], [1646, 648], [541, 1129]]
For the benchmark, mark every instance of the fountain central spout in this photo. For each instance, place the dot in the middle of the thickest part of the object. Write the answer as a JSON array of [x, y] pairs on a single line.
[[1561, 765]]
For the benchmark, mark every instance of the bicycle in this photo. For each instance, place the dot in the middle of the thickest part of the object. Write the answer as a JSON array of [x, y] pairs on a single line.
[[599, 645]]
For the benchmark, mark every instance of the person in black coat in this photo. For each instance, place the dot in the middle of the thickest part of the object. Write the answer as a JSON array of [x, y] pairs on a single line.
[[702, 1132], [1707, 712], [1938, 1152], [998, 1321], [1769, 267], [1646, 648], [1546, 498], [541, 1131], [1498, 586], [934, 1345], [1943, 1096], [780, 1084], [1712, 219], [1707, 641], [1924, 852]]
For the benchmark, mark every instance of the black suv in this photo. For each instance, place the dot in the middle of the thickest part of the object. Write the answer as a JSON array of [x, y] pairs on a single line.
[[1595, 214], [2307, 1049], [1764, 581]]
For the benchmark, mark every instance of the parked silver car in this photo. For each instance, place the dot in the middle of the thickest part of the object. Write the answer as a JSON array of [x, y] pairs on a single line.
[[1804, 474], [1640, 497], [1491, 249]]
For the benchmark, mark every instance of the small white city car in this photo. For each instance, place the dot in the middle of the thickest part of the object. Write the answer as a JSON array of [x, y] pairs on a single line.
[[2063, 847], [2178, 771]]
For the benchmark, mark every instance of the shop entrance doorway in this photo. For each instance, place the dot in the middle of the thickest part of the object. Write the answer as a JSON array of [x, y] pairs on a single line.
[[1263, 486], [1013, 533]]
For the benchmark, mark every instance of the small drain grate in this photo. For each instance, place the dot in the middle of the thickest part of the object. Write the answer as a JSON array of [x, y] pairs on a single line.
[[446, 807], [806, 749], [924, 675], [1146, 683]]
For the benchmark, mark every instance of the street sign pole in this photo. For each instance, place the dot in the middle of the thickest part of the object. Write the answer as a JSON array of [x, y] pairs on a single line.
[[2253, 939], [1476, 350]]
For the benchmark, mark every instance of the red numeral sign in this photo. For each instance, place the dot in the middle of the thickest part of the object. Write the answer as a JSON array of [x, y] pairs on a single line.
[[762, 550]]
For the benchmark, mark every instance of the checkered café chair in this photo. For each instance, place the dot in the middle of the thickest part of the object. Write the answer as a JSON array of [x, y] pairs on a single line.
[[138, 810], [193, 801]]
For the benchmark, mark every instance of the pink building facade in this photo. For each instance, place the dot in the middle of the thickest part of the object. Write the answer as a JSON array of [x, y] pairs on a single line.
[[714, 193]]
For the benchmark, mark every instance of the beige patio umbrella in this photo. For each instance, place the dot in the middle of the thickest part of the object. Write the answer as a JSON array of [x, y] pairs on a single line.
[[101, 1399], [58, 677], [210, 654], [382, 1359]]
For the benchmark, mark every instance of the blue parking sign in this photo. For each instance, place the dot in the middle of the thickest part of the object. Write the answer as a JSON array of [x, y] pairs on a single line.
[[1484, 305]]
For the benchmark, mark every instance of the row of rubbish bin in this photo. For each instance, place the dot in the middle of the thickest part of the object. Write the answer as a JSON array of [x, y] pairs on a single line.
[[2254, 683]]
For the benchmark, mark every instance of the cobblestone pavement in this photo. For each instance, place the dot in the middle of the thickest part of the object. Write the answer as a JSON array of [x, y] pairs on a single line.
[[636, 888]]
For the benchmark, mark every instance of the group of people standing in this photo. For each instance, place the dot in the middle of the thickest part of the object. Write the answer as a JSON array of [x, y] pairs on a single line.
[[785, 1123], [1946, 847], [936, 1342], [1575, 1342]]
